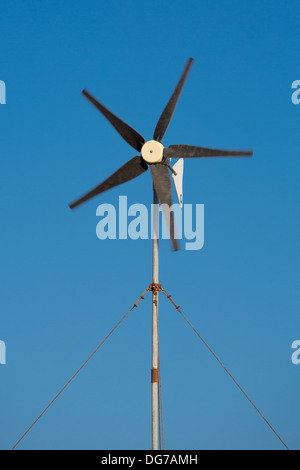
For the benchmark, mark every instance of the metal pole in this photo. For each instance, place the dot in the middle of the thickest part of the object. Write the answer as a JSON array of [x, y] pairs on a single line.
[[154, 371]]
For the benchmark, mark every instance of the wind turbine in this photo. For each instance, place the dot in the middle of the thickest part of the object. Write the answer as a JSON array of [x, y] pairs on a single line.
[[153, 153]]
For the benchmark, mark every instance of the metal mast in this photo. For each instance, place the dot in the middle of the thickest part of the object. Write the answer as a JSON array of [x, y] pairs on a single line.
[[154, 370]]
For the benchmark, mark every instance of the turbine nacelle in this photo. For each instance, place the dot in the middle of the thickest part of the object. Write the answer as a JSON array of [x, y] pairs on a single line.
[[152, 151]]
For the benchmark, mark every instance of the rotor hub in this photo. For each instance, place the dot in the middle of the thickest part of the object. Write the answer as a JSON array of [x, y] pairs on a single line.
[[152, 151]]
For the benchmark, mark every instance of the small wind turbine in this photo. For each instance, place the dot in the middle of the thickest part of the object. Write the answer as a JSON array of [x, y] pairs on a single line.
[[154, 154]]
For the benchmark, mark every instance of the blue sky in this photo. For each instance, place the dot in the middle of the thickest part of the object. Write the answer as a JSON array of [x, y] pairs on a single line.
[[62, 289]]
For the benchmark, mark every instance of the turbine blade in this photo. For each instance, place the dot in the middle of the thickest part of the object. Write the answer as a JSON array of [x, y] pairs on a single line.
[[189, 151], [167, 113], [131, 136], [162, 186], [133, 168]]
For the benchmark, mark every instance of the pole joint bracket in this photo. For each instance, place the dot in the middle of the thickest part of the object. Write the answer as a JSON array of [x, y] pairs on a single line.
[[155, 287]]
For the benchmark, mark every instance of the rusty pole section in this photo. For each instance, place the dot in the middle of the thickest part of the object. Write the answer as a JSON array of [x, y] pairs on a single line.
[[154, 370]]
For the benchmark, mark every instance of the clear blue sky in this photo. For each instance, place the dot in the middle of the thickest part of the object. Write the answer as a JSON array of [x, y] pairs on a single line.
[[62, 289]]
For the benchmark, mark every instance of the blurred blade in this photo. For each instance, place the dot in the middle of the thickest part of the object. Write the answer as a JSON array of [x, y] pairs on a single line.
[[133, 168], [167, 113], [162, 185], [132, 137], [189, 151]]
